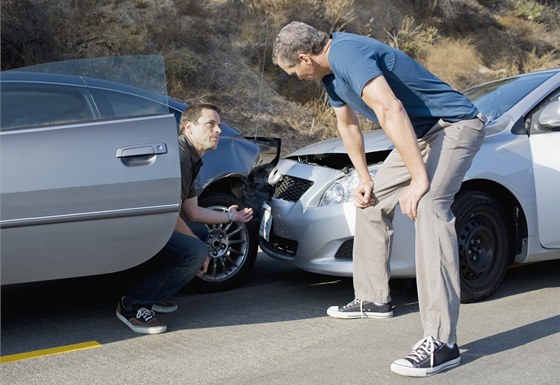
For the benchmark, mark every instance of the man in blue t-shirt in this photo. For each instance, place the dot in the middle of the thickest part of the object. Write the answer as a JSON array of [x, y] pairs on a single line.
[[436, 132]]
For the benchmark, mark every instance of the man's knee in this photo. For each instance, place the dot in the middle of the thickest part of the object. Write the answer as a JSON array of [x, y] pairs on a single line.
[[435, 207], [195, 254]]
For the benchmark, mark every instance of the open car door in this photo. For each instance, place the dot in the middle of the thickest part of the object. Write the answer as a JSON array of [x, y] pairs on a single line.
[[90, 175]]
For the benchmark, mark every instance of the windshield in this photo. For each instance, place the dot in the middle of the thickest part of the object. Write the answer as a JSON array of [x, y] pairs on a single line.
[[495, 98]]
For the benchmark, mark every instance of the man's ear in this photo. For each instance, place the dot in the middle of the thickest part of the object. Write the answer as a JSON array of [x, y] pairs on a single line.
[[185, 127], [304, 58]]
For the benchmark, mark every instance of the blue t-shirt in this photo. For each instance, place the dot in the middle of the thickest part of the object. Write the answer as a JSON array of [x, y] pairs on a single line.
[[355, 60]]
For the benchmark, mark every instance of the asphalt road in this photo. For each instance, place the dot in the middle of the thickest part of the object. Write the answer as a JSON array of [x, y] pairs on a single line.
[[273, 330]]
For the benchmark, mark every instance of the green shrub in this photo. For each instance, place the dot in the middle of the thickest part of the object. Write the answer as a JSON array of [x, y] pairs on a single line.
[[529, 9]]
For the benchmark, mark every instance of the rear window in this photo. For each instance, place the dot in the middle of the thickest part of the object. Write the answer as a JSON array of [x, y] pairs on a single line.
[[121, 105], [25, 105]]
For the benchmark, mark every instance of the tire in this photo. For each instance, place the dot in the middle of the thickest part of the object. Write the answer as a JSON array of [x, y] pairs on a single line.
[[232, 249], [484, 237]]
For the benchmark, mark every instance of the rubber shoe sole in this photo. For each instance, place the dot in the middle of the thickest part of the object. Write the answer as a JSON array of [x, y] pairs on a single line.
[[403, 367], [333, 311]]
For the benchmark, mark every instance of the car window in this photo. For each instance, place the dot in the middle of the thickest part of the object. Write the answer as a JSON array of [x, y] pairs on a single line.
[[495, 98], [25, 105], [82, 90], [121, 105]]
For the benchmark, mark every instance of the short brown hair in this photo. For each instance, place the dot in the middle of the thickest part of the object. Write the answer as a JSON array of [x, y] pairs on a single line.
[[192, 112]]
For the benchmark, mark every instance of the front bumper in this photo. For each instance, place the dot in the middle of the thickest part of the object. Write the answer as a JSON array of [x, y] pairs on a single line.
[[316, 238]]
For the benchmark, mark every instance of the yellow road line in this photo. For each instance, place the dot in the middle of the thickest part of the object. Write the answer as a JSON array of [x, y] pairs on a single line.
[[50, 352]]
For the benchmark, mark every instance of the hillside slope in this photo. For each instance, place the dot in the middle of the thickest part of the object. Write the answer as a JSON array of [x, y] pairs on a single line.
[[219, 50]]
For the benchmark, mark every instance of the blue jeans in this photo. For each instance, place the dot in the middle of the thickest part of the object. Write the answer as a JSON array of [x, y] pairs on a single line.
[[171, 269]]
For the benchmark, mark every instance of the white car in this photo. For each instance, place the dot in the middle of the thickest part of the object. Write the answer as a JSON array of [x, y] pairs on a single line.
[[507, 210]]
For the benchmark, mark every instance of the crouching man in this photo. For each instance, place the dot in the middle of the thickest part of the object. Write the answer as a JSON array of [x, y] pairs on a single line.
[[185, 254]]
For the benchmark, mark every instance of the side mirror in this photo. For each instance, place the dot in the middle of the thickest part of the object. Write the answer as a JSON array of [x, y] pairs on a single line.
[[548, 119]]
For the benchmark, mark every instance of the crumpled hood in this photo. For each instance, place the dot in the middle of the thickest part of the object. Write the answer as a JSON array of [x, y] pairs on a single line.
[[374, 141]]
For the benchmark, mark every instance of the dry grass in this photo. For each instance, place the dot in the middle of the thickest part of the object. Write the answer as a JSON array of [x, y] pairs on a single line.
[[455, 61], [415, 40], [219, 50]]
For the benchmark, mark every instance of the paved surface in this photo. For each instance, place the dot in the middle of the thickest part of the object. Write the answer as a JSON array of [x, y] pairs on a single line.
[[274, 330]]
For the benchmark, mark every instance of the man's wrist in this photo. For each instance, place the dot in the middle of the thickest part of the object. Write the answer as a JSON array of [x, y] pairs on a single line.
[[229, 217]]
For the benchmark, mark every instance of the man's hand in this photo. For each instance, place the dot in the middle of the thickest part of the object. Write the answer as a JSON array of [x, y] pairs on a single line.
[[204, 267], [411, 196], [241, 216], [363, 194]]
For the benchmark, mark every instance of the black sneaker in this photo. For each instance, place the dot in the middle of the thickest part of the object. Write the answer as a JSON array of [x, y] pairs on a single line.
[[164, 307], [361, 309], [141, 320], [428, 357]]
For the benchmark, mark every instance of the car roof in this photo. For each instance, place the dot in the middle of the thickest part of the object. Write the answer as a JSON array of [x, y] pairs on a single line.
[[75, 80]]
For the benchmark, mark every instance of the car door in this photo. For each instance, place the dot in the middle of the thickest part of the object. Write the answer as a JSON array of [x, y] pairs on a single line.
[[82, 194], [545, 150]]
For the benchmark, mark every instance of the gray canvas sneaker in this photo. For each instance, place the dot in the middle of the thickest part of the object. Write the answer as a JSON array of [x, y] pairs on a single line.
[[428, 357], [361, 309]]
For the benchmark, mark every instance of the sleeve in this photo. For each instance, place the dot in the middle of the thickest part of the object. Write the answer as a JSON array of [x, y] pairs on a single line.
[[334, 99], [355, 64]]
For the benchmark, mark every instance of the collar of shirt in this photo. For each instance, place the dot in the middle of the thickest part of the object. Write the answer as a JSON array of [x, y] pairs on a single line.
[[186, 144]]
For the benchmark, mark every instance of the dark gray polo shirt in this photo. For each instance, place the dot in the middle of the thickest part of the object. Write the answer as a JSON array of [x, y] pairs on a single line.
[[190, 165]]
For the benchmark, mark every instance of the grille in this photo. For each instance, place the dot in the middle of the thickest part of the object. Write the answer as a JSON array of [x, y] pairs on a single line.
[[291, 189], [286, 247]]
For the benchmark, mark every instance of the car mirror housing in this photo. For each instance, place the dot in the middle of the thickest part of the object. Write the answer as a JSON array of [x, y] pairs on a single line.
[[549, 117]]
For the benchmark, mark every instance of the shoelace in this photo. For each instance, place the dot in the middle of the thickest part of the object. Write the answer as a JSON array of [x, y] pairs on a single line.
[[144, 314], [423, 349], [355, 302]]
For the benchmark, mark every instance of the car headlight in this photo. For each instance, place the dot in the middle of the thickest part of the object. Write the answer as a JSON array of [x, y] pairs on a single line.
[[340, 190]]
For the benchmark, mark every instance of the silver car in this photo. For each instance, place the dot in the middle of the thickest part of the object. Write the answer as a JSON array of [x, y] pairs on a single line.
[[90, 176], [506, 212]]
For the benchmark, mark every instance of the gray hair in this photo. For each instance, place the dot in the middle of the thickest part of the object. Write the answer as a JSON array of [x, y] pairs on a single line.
[[294, 39]]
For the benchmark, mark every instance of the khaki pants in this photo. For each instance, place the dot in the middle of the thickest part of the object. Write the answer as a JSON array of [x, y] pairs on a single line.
[[447, 150]]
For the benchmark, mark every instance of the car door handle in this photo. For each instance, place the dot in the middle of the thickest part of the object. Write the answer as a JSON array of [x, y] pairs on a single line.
[[141, 150]]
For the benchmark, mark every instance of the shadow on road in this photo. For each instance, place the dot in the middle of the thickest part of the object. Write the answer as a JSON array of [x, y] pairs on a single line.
[[47, 314], [511, 339]]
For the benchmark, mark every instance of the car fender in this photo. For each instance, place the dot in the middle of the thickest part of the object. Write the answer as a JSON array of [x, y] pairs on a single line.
[[236, 157]]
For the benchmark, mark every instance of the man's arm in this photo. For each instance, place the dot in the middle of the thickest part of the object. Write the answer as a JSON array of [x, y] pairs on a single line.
[[195, 213], [395, 122], [351, 135]]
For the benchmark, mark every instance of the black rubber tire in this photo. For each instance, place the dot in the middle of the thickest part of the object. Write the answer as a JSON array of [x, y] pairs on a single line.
[[232, 249], [484, 235]]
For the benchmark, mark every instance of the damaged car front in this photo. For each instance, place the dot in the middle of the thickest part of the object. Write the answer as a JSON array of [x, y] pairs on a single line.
[[309, 222], [237, 176]]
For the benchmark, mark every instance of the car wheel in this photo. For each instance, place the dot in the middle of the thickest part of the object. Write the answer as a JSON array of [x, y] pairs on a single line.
[[232, 248], [484, 237]]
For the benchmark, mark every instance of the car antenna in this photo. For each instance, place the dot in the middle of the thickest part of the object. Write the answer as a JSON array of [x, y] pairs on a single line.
[[257, 126]]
